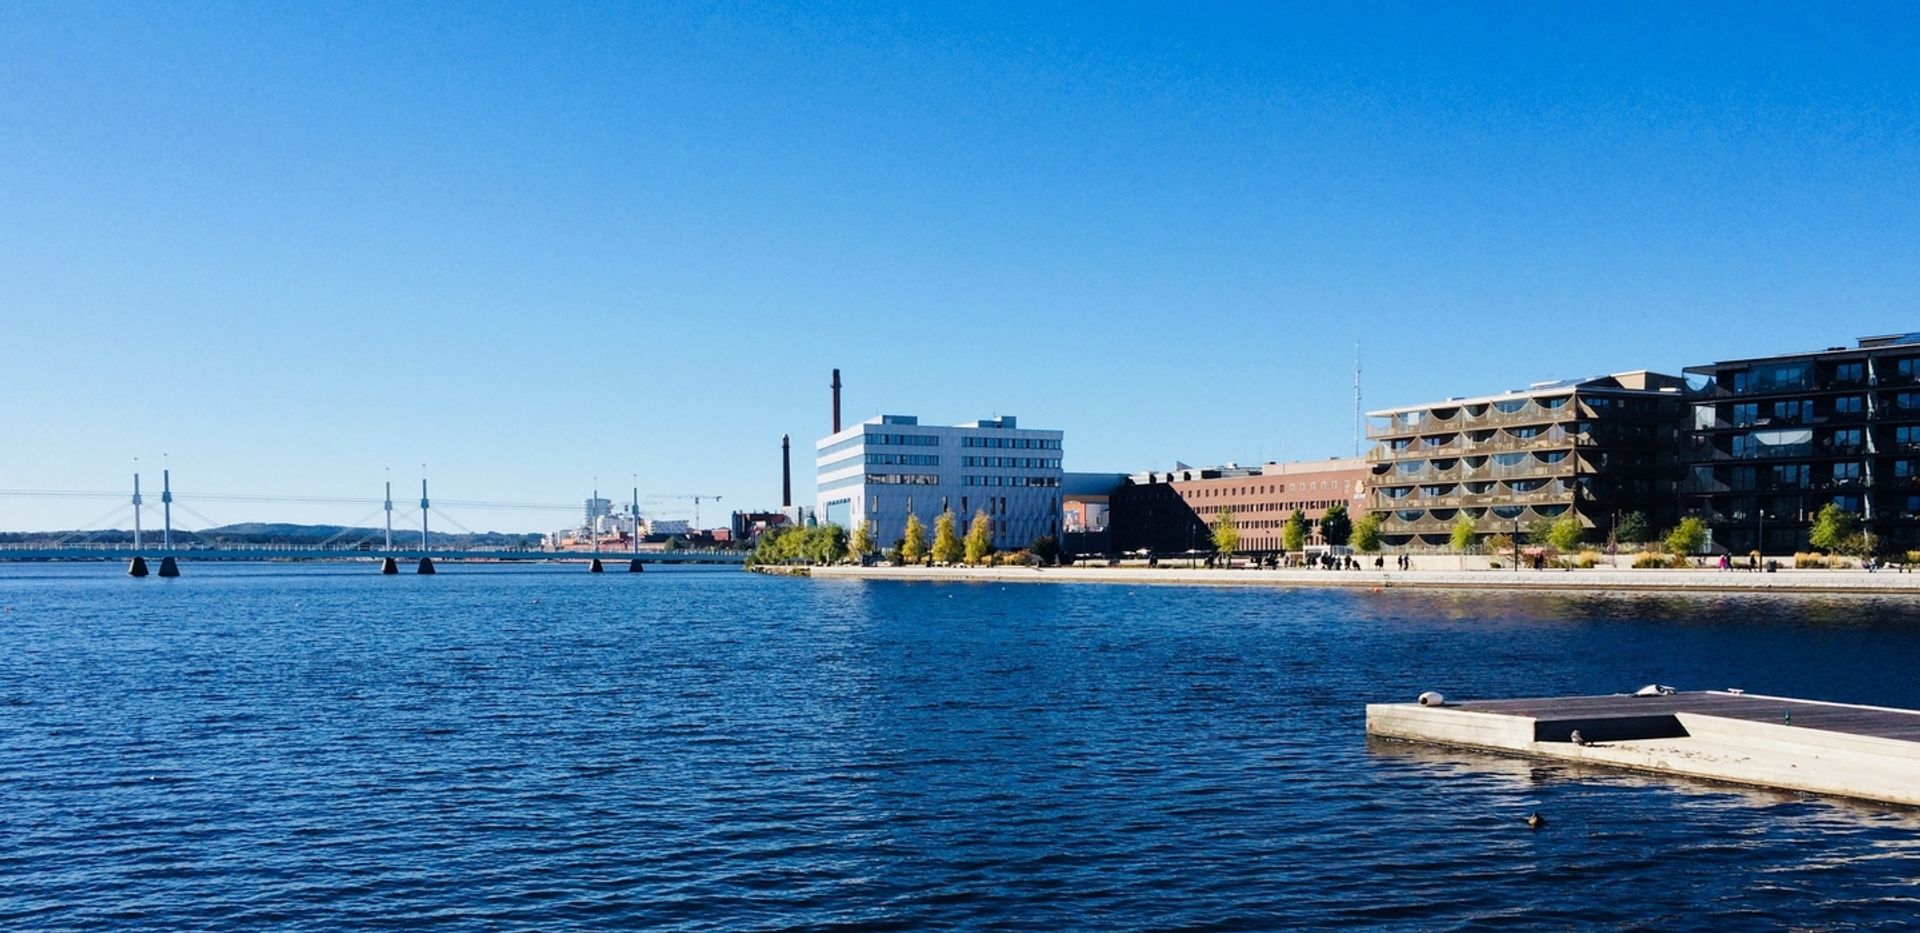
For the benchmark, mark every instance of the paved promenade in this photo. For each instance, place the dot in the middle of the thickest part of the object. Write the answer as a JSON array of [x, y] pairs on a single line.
[[1702, 581]]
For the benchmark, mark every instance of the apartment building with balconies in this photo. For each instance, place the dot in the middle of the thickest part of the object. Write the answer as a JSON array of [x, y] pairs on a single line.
[[1774, 439], [1591, 448]]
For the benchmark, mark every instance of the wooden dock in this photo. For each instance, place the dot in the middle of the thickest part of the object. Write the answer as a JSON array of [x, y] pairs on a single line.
[[1866, 752]]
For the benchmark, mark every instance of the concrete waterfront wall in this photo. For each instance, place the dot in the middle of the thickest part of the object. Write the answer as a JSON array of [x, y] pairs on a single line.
[[1704, 581]]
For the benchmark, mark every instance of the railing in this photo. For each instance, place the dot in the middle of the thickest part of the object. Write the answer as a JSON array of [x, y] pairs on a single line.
[[1491, 418]]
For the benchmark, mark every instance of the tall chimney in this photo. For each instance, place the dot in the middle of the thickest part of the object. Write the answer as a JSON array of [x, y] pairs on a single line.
[[786, 472], [836, 401]]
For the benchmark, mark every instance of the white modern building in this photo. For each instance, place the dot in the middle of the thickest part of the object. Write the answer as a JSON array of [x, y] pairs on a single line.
[[879, 471]]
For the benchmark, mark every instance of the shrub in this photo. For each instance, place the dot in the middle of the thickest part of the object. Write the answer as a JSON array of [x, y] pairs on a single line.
[[1646, 560]]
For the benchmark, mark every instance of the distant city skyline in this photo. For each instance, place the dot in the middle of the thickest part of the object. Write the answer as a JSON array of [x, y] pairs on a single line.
[[292, 247]]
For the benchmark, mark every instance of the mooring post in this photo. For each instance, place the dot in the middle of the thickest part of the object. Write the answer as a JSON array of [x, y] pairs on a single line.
[[169, 567], [137, 567], [426, 565], [634, 566], [595, 567], [389, 566]]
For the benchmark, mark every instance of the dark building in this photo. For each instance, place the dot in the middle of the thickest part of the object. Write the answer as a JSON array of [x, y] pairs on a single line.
[[1775, 439]]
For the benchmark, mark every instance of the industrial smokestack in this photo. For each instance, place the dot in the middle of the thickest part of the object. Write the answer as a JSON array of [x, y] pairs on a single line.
[[786, 472], [836, 401]]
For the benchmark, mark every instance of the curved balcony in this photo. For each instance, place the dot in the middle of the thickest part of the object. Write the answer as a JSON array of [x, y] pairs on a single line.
[[1487, 523]]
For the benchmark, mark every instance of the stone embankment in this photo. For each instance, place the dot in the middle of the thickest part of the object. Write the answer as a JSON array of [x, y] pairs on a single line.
[[1597, 579]]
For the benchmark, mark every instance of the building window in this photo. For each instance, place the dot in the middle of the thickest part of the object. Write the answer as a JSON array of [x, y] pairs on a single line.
[[1745, 414], [1849, 405], [1849, 372]]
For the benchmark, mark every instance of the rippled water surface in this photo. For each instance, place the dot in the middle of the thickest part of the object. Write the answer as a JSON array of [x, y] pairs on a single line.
[[318, 747]]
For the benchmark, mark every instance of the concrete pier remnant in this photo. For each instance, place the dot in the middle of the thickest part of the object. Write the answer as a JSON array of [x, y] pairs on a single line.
[[137, 567], [389, 566], [1840, 749], [634, 566], [426, 565], [169, 567]]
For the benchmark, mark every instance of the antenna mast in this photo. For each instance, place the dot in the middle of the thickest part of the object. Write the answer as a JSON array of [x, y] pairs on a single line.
[[1356, 398]]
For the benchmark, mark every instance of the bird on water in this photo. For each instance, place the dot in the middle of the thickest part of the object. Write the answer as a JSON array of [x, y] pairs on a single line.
[[1535, 820]]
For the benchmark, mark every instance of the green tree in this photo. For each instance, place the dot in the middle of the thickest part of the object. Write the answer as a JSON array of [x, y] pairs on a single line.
[[766, 548], [1540, 533], [979, 537], [1462, 533], [1504, 546], [861, 543], [1047, 548], [1564, 535], [1687, 538], [1634, 528], [1832, 527], [1226, 534], [1366, 534], [913, 548], [946, 541], [825, 544], [1336, 526], [1293, 535], [1860, 544]]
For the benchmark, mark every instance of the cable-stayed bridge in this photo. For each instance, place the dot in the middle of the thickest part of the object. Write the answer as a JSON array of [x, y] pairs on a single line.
[[103, 538]]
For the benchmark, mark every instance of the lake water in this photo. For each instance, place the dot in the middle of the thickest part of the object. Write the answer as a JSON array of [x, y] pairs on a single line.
[[318, 747]]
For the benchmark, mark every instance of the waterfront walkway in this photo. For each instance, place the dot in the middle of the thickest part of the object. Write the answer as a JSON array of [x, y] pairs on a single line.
[[1601, 579]]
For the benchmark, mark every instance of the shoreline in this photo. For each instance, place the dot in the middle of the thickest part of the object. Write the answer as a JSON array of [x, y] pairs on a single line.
[[1597, 579]]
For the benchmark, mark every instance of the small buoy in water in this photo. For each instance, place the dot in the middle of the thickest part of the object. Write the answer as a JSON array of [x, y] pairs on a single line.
[[1535, 820], [1432, 698]]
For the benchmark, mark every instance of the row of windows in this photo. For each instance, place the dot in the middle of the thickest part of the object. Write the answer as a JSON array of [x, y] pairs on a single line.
[[993, 505], [1011, 443], [904, 459], [1787, 377], [1026, 463], [1308, 505], [903, 479], [1269, 489], [1010, 481], [903, 440]]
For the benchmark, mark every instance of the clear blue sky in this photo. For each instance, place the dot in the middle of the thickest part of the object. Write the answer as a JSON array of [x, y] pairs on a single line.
[[291, 245]]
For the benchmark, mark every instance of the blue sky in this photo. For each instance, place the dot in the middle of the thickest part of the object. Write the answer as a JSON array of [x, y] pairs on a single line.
[[292, 245]]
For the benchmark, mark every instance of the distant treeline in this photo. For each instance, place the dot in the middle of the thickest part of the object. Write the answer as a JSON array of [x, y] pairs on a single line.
[[277, 533]]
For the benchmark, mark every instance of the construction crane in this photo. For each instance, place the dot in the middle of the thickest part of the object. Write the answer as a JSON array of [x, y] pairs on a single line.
[[695, 496]]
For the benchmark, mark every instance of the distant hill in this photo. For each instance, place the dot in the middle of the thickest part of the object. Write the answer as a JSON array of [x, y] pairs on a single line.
[[278, 533]]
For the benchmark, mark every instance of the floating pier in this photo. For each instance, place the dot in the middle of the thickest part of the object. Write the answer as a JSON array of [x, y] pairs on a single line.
[[1865, 752]]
